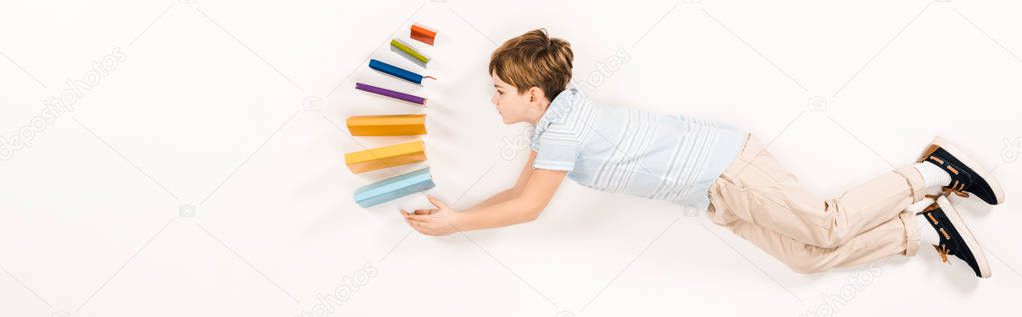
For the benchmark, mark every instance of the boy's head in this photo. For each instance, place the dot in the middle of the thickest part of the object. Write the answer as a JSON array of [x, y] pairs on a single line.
[[528, 71]]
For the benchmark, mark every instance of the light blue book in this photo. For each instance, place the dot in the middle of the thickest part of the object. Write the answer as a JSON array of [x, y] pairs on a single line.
[[394, 188]]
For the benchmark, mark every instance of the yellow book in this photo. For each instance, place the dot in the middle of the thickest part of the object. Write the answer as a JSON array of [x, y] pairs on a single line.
[[387, 156], [387, 125]]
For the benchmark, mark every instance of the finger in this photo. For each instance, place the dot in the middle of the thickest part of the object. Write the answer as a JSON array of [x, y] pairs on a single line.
[[423, 211], [425, 227], [409, 218], [436, 202], [422, 228], [413, 223], [419, 218], [415, 226]]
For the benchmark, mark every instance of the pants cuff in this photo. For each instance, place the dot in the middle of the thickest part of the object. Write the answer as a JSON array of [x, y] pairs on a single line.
[[911, 224], [915, 182]]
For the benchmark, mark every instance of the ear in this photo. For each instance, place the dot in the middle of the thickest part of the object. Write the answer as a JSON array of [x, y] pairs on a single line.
[[536, 94]]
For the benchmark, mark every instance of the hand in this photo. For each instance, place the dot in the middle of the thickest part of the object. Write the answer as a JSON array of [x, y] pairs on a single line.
[[438, 221]]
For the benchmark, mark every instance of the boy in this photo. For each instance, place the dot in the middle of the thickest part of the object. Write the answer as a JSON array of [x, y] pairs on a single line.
[[709, 165]]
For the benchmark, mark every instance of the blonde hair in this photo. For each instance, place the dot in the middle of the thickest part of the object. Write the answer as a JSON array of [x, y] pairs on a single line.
[[534, 60]]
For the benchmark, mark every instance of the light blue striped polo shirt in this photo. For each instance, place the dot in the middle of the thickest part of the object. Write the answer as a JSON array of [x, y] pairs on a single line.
[[630, 150]]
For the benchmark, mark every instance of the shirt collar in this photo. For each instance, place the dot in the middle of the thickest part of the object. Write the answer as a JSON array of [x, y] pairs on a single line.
[[560, 106], [557, 109]]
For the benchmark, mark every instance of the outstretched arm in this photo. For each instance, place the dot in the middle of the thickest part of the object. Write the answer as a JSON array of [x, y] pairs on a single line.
[[514, 207]]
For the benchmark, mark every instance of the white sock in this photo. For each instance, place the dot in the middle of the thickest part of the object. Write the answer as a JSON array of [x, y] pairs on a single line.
[[933, 175], [927, 235]]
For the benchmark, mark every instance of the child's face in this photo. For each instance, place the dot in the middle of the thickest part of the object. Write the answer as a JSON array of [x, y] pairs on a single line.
[[516, 107]]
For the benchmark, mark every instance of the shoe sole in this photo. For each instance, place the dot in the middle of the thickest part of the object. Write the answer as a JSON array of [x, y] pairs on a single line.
[[965, 159], [970, 240]]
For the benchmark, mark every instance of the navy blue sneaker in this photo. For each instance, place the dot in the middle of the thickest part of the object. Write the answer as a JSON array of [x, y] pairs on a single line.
[[955, 237], [967, 177]]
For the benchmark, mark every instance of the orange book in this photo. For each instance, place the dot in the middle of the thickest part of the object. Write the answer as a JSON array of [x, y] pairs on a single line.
[[423, 34], [387, 125]]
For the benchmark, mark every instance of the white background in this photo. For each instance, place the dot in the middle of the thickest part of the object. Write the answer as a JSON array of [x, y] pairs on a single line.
[[207, 111]]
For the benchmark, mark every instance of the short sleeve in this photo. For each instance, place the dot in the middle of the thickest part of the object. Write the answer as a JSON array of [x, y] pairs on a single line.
[[556, 148]]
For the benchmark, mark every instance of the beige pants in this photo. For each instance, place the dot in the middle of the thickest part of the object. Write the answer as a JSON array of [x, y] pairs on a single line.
[[760, 201]]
